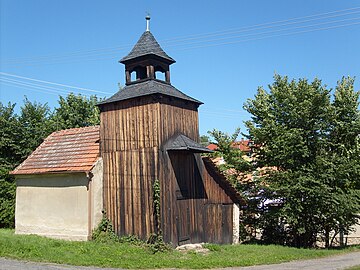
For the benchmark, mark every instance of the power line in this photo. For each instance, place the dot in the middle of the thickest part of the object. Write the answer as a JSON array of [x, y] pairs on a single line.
[[17, 82], [53, 83], [233, 42], [319, 16], [36, 90], [271, 36], [27, 86], [274, 31], [268, 25], [70, 54]]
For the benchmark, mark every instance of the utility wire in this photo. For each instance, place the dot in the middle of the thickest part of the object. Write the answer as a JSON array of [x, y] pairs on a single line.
[[36, 90], [29, 86], [230, 42], [58, 90], [262, 26], [271, 32], [271, 36], [53, 83], [319, 16]]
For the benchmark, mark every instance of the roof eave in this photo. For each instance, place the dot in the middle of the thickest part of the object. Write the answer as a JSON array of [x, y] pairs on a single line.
[[128, 59], [147, 94], [191, 149], [19, 174]]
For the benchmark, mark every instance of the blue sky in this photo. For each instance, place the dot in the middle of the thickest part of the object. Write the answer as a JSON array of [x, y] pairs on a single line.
[[224, 49]]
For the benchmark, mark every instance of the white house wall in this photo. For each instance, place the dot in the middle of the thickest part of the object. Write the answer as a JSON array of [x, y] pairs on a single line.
[[236, 223], [96, 194], [53, 205], [354, 237]]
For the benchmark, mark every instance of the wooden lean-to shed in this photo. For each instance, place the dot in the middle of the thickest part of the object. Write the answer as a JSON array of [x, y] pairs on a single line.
[[149, 132]]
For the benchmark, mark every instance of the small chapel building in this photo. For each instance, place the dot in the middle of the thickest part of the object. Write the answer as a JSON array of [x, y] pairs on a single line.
[[148, 134]]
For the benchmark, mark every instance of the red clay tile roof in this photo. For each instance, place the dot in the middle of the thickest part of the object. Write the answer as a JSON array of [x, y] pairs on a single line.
[[212, 146], [69, 150], [243, 145]]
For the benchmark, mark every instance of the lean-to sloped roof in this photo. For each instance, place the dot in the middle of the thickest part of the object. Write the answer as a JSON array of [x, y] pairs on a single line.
[[220, 178], [69, 150], [147, 45]]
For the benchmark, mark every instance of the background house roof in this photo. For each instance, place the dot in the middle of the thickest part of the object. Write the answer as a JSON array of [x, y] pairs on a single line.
[[148, 87], [70, 150], [243, 145], [147, 45]]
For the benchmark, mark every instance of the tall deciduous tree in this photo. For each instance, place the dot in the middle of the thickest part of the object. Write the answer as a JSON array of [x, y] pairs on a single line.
[[76, 111], [314, 144], [34, 126], [9, 156], [233, 157]]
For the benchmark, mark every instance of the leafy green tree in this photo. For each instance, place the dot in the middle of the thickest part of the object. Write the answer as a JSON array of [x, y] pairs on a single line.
[[342, 160], [34, 126], [204, 140], [9, 157], [9, 136], [76, 111], [313, 144], [233, 157]]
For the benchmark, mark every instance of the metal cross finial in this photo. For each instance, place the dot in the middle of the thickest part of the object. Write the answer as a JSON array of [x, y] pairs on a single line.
[[147, 22]]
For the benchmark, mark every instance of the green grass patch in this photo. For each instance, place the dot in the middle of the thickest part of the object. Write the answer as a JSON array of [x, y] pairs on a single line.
[[357, 267], [128, 255]]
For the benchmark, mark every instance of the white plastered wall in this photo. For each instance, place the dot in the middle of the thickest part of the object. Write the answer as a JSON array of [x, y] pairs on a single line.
[[96, 194], [63, 206], [354, 237], [236, 223]]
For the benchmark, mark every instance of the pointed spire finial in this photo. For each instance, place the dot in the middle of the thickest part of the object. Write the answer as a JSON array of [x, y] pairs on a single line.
[[147, 22]]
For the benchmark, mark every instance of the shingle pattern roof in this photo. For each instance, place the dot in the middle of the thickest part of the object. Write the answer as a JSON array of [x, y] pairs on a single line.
[[70, 150], [182, 142], [147, 45], [148, 87]]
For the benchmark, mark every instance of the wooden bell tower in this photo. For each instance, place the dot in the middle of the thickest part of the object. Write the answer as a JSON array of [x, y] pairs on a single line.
[[149, 131]]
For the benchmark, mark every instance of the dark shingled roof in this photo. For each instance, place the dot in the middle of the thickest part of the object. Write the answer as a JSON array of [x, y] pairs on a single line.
[[145, 88], [147, 45], [181, 142]]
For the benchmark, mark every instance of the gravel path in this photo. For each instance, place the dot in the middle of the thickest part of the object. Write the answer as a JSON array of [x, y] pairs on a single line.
[[328, 263]]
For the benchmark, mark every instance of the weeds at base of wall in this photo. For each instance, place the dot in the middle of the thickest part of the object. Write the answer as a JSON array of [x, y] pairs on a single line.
[[104, 233], [156, 244]]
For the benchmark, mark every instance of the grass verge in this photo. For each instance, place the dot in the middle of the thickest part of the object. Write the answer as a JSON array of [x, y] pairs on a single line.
[[126, 255]]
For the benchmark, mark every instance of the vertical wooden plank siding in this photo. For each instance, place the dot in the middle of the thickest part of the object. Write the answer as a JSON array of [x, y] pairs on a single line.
[[132, 138], [129, 147], [191, 188]]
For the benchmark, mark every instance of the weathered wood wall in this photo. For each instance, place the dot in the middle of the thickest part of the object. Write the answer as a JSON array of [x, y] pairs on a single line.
[[129, 134], [194, 208]]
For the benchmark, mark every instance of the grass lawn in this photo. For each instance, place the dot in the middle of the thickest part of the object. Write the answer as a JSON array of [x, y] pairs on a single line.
[[35, 248]]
